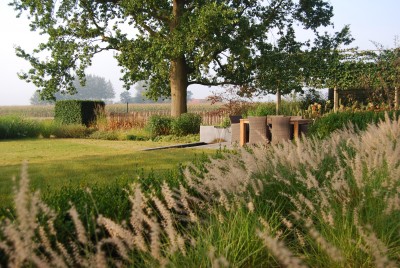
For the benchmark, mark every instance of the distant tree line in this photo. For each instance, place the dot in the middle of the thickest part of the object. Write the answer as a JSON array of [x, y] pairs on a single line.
[[139, 95], [95, 88]]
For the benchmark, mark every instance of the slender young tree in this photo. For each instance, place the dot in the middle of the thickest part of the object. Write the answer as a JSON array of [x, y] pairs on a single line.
[[125, 97], [280, 68], [170, 43]]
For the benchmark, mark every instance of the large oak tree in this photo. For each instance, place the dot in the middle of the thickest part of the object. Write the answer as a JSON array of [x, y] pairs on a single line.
[[170, 43]]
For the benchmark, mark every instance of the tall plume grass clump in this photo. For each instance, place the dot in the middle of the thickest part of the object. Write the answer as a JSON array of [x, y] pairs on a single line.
[[314, 203], [17, 127]]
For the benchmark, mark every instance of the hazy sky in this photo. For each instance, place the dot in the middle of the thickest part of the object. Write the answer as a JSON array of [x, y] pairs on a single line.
[[369, 20]]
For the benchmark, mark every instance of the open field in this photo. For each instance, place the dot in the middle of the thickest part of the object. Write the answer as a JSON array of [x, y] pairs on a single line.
[[54, 163], [43, 111]]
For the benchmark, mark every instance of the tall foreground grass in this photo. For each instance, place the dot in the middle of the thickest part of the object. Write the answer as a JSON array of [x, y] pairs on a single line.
[[12, 127], [317, 203], [17, 127]]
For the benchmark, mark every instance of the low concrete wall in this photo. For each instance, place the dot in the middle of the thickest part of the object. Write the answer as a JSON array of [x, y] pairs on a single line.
[[209, 134]]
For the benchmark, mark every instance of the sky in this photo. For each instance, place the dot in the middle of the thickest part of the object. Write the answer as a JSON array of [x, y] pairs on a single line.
[[369, 20]]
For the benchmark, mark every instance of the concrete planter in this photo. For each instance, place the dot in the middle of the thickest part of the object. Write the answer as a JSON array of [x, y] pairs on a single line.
[[210, 134]]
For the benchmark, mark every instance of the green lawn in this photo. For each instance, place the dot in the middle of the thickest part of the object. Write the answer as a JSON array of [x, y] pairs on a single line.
[[54, 163]]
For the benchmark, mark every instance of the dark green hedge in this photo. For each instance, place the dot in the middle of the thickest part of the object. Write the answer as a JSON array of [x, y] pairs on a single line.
[[186, 124], [183, 125], [159, 125], [324, 126], [77, 111]]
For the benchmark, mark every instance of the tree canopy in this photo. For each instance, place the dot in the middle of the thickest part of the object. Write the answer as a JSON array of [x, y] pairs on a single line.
[[170, 43], [387, 71], [95, 88]]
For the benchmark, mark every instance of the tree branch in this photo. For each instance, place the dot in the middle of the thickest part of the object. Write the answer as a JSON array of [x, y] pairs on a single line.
[[224, 83], [107, 1]]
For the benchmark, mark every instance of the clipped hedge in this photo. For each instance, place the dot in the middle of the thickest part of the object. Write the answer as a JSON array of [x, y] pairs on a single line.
[[324, 126], [77, 111]]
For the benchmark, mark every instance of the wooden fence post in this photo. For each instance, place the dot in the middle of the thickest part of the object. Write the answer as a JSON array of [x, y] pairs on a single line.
[[335, 99]]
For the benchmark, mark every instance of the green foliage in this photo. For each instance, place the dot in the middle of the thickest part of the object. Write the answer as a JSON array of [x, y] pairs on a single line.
[[225, 123], [186, 124], [291, 107], [104, 135], [80, 163], [121, 135], [100, 198], [310, 97], [178, 139], [77, 112], [326, 125], [71, 131], [68, 112], [237, 245], [192, 36], [48, 128], [158, 125], [262, 109], [15, 127]]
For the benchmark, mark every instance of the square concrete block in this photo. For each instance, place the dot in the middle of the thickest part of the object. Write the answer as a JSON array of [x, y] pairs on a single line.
[[209, 134]]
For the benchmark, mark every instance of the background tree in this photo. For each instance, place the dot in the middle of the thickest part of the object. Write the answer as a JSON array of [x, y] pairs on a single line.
[[386, 72], [125, 97], [140, 94], [280, 68], [36, 100], [172, 43], [189, 95], [333, 67], [95, 88]]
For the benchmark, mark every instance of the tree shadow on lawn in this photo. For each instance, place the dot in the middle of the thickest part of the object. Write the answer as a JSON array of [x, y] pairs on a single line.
[[95, 170]]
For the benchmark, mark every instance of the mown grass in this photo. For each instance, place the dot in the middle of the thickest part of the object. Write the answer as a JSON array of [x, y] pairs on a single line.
[[58, 163]]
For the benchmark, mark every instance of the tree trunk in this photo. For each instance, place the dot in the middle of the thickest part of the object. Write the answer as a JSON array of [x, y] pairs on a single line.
[[335, 100], [396, 98], [278, 101], [178, 82], [178, 75]]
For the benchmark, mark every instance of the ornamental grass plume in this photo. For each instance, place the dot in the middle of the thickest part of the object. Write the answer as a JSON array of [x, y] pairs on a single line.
[[330, 203], [337, 184], [30, 238]]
